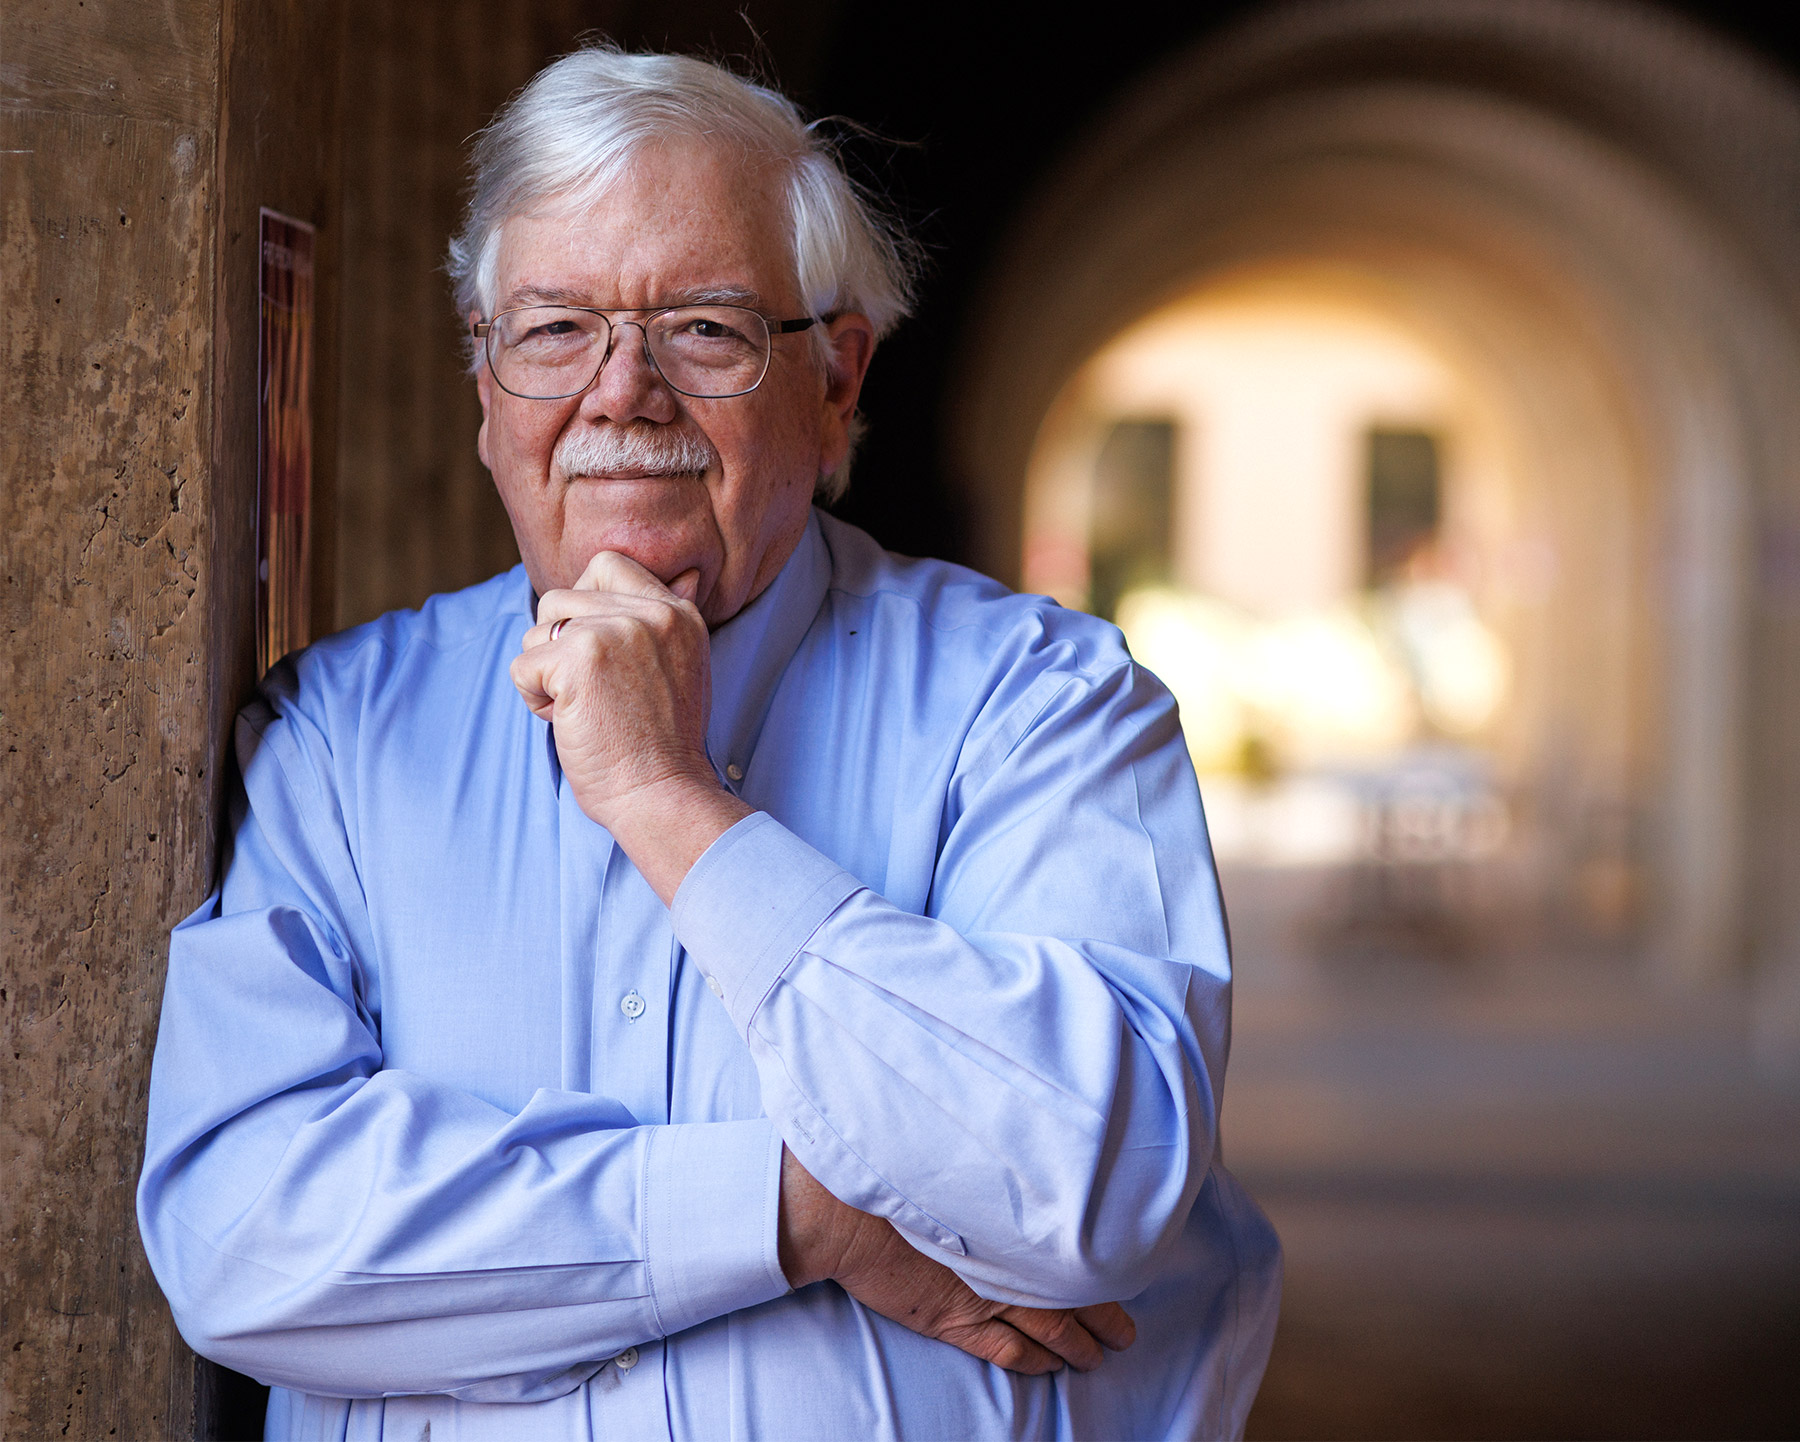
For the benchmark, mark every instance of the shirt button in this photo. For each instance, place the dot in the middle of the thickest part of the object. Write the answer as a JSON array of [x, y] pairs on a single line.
[[712, 985], [627, 1359], [632, 1005], [735, 772]]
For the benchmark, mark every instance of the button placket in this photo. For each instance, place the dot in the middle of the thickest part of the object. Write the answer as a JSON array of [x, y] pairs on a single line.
[[585, 855], [631, 967]]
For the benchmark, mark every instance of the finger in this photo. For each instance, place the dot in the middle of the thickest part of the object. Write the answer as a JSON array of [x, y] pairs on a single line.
[[687, 585], [530, 675], [556, 606], [1110, 1323], [614, 571], [1005, 1346], [1057, 1330]]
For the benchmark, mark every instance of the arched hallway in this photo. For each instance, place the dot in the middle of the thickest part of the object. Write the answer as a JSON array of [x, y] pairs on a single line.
[[1521, 1106]]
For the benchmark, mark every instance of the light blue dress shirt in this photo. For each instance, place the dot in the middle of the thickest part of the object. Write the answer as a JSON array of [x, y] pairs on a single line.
[[452, 1122]]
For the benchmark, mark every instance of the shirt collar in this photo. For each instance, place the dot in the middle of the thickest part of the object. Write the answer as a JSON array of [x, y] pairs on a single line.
[[751, 651]]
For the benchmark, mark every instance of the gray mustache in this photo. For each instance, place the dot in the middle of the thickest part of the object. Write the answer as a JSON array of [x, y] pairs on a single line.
[[643, 447]]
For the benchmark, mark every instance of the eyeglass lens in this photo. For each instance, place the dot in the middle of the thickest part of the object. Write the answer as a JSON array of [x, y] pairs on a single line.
[[551, 351]]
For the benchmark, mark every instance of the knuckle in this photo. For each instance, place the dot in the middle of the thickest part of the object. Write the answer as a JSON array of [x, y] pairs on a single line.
[[957, 1335], [1047, 1326], [1011, 1352]]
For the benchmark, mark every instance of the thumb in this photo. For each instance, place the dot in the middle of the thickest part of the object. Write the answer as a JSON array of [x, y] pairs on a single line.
[[687, 585]]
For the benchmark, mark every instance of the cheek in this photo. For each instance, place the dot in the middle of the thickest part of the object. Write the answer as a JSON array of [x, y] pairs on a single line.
[[782, 459], [522, 437]]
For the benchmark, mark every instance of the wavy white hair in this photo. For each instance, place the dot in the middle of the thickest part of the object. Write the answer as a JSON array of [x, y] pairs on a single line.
[[572, 132]]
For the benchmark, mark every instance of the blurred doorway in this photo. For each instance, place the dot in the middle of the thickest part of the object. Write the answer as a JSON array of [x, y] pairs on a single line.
[[1306, 520], [1412, 384]]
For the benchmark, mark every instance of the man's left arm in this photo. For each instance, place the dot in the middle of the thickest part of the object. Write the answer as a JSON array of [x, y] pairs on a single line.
[[1023, 1080]]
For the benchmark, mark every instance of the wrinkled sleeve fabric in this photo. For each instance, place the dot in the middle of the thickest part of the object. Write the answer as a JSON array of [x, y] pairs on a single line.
[[1022, 1079], [323, 1223]]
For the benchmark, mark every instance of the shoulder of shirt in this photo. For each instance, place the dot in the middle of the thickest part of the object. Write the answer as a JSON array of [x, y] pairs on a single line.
[[362, 658], [961, 609]]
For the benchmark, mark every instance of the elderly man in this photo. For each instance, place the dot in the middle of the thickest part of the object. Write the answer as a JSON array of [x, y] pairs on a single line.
[[718, 979]]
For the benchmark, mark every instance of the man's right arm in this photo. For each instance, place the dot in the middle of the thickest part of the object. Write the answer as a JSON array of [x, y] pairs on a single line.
[[324, 1222]]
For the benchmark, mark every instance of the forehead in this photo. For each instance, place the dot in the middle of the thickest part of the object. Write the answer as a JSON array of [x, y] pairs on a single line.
[[685, 219]]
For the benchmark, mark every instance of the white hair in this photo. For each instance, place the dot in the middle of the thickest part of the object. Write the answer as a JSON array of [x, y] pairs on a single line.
[[572, 132]]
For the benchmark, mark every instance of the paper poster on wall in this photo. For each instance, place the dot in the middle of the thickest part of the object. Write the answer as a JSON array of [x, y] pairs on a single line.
[[284, 438]]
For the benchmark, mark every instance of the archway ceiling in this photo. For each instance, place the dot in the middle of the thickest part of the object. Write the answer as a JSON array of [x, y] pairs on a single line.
[[1599, 202], [1485, 224]]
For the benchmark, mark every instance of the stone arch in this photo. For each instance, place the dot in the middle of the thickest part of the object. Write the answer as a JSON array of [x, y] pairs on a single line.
[[1593, 206]]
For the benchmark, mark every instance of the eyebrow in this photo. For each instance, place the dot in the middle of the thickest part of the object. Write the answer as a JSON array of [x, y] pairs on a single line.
[[697, 295]]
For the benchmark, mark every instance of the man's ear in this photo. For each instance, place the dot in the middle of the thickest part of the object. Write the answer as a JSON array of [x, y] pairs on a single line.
[[484, 388], [850, 338], [850, 341]]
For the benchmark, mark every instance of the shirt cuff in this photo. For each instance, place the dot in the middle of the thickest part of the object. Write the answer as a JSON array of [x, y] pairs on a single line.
[[712, 1203], [748, 905]]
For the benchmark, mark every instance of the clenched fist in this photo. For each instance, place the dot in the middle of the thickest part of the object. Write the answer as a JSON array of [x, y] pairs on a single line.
[[620, 666]]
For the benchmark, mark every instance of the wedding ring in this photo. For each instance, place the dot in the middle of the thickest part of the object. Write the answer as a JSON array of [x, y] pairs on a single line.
[[556, 628]]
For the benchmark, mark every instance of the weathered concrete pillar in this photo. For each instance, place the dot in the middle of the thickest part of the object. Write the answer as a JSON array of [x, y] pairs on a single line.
[[136, 145]]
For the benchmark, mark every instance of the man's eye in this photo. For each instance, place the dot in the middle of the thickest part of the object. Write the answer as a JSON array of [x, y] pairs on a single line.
[[707, 328], [550, 328]]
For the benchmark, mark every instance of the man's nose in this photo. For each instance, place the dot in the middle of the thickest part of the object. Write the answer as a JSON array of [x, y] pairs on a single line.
[[627, 386]]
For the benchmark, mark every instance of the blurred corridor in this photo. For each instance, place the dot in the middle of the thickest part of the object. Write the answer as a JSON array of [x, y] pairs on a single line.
[[1417, 431]]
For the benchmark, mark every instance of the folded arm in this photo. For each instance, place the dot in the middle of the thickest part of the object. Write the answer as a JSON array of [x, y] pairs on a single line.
[[1023, 1079], [323, 1222]]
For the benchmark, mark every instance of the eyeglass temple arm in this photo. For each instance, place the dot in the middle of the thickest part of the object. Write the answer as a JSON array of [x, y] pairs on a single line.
[[479, 329]]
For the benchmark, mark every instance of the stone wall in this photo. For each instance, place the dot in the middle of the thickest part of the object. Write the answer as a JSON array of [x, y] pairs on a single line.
[[136, 144]]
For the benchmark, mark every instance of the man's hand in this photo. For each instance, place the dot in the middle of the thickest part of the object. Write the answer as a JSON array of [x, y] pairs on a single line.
[[821, 1237], [621, 666]]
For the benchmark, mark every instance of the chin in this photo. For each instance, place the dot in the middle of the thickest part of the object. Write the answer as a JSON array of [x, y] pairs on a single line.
[[655, 524]]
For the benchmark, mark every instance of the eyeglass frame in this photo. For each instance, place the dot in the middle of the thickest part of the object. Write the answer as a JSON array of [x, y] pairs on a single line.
[[482, 330]]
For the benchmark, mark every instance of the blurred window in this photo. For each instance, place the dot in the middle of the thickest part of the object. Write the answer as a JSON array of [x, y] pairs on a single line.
[[1403, 499], [1134, 485]]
